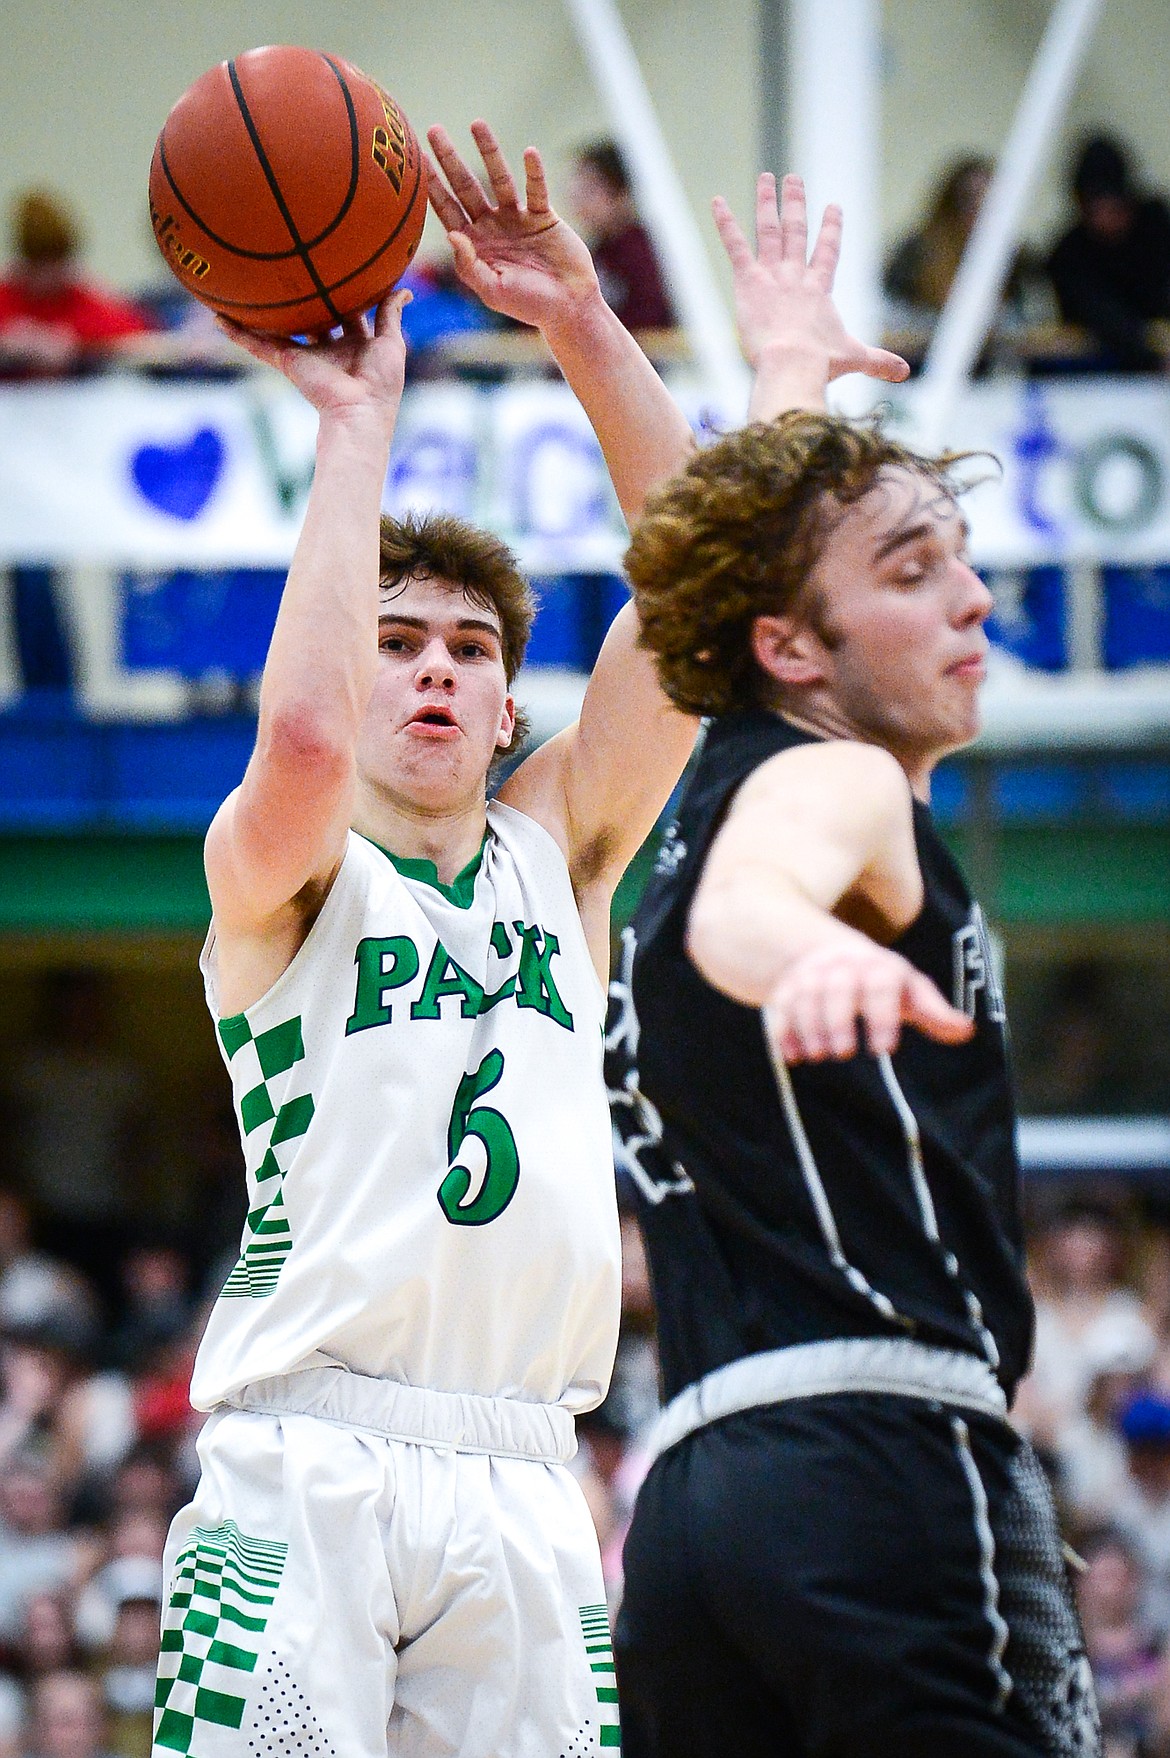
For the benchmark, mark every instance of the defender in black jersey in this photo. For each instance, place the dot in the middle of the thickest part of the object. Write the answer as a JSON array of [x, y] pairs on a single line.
[[843, 1549]]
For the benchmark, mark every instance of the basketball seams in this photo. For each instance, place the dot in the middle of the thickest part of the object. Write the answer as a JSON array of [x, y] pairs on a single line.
[[287, 304], [278, 197]]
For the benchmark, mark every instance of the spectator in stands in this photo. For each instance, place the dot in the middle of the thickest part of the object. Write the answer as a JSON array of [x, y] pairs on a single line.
[[36, 1553], [1143, 1513], [68, 1718], [1093, 1474], [46, 1641], [602, 200], [922, 268], [1077, 1260], [1111, 269], [33, 1286], [1124, 1652], [54, 317]]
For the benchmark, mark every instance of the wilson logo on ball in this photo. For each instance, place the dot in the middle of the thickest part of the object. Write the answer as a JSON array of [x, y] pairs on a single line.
[[389, 149], [183, 261]]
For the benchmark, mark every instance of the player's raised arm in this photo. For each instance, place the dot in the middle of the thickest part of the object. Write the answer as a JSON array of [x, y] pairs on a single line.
[[819, 838], [523, 260], [791, 333], [284, 828]]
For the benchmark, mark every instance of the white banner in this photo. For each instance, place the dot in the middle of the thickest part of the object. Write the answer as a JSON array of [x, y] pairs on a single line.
[[125, 473]]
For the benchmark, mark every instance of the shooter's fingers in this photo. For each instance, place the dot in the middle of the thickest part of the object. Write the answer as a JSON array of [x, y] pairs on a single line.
[[535, 183], [449, 212], [496, 165], [266, 348], [739, 251], [463, 181], [793, 221], [923, 1006], [472, 271], [769, 244], [356, 328], [827, 249], [388, 317]]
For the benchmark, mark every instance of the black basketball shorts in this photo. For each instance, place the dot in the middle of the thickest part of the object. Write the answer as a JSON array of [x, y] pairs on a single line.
[[850, 1576]]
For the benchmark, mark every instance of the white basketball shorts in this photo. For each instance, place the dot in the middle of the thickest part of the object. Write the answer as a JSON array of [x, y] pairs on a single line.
[[374, 1571]]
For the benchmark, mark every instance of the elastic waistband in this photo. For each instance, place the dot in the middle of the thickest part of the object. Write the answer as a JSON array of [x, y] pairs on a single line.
[[460, 1422], [811, 1370]]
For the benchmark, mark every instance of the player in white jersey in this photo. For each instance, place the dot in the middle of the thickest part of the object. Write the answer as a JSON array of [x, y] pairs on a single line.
[[385, 1553]]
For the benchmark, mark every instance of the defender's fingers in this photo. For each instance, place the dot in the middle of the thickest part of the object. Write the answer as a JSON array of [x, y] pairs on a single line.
[[827, 249], [535, 183], [449, 212], [840, 1007], [793, 221], [807, 1022], [496, 165], [881, 363], [739, 251], [882, 1012], [463, 181], [769, 245], [923, 1006]]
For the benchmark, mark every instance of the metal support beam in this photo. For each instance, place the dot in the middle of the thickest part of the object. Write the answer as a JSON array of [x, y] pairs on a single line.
[[835, 145], [970, 310], [663, 203]]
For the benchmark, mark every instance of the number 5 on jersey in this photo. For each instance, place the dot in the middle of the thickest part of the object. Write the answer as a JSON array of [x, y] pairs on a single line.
[[502, 1169]]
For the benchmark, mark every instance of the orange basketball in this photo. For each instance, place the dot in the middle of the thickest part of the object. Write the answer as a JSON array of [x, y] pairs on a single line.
[[287, 191]]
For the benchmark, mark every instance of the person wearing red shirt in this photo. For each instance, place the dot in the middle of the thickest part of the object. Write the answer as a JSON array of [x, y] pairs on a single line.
[[623, 254], [54, 318]]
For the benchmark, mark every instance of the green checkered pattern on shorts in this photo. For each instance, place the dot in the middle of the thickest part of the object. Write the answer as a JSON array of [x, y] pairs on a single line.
[[224, 1584], [268, 1238], [599, 1648]]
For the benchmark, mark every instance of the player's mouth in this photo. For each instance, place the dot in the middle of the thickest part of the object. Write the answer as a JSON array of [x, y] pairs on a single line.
[[433, 722], [972, 669]]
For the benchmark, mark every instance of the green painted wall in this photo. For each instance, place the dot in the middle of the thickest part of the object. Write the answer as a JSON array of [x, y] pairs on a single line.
[[1034, 876]]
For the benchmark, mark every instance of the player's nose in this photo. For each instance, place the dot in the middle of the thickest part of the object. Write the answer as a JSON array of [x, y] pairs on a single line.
[[435, 666], [973, 596]]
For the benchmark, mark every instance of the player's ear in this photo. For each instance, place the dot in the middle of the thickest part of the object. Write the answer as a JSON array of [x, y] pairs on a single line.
[[788, 651], [507, 725]]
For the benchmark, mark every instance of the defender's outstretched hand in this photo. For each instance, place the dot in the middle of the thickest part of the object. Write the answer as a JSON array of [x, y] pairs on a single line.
[[521, 260], [363, 368], [844, 977], [784, 297]]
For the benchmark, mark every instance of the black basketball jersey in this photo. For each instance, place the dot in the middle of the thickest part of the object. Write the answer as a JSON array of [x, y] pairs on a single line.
[[872, 1197]]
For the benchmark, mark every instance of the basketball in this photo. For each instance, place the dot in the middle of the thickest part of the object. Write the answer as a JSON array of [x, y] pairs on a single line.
[[287, 191]]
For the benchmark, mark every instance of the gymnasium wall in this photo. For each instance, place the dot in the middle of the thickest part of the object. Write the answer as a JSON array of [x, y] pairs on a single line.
[[84, 87]]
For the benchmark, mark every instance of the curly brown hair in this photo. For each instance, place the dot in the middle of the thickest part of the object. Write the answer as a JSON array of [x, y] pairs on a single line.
[[735, 536]]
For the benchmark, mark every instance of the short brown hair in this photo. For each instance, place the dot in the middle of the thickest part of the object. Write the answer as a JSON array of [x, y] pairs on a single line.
[[43, 228], [735, 538], [443, 547]]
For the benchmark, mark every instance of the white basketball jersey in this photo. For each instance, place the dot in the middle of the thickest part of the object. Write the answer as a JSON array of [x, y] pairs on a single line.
[[426, 1137]]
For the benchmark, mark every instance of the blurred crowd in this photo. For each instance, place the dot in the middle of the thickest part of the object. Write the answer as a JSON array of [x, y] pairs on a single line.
[[1107, 274], [105, 1280]]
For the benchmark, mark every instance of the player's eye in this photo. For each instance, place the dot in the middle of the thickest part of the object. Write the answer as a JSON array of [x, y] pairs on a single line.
[[392, 644]]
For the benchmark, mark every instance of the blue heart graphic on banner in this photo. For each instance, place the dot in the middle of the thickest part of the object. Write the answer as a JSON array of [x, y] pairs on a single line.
[[180, 479]]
